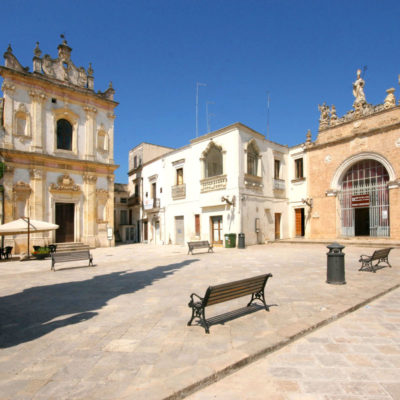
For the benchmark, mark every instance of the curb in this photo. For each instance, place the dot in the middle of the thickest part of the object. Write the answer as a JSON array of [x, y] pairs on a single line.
[[217, 376]]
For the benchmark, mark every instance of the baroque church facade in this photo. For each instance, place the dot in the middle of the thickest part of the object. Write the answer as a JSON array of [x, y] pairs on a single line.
[[56, 142]]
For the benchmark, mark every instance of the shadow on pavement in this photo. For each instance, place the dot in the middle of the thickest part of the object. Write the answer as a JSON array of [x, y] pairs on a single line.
[[30, 314]]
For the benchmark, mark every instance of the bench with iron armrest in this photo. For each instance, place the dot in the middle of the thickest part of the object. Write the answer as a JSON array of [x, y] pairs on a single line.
[[228, 291], [71, 256], [200, 244], [5, 252], [379, 256]]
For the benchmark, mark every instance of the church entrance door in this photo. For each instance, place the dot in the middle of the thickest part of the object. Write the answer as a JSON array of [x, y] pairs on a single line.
[[65, 216]]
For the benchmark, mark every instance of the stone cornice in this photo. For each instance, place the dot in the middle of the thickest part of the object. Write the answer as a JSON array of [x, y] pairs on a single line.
[[30, 160]]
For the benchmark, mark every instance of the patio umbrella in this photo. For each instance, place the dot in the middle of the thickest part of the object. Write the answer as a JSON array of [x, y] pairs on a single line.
[[26, 225]]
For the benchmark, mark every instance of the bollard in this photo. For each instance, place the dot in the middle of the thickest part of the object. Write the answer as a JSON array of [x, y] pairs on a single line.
[[335, 264]]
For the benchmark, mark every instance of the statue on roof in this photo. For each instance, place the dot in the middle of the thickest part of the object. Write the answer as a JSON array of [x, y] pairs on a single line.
[[358, 90]]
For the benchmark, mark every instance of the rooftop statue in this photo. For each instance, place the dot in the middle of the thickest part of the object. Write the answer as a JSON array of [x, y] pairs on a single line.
[[358, 90]]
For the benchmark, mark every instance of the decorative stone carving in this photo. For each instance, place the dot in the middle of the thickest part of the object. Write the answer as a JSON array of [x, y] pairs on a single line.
[[36, 174], [308, 137], [65, 184], [89, 178], [390, 100], [22, 190], [90, 111], [12, 62], [334, 117], [110, 179], [324, 118], [358, 91], [7, 88], [102, 194], [37, 96], [111, 116]]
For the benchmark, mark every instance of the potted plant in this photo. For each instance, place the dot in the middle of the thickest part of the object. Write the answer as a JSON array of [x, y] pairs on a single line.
[[41, 253]]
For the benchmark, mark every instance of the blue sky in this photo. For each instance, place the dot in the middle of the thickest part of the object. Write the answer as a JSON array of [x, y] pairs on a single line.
[[154, 51]]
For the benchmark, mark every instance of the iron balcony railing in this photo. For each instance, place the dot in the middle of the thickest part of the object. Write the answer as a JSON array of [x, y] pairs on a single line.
[[279, 184]]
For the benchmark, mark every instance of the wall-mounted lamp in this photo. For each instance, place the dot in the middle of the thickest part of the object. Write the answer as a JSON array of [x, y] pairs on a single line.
[[308, 202], [230, 202]]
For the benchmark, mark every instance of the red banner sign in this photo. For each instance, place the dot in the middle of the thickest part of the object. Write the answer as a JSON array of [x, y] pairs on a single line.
[[360, 200]]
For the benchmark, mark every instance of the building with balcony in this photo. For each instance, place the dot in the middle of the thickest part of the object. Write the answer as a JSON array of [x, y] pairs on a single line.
[[231, 180]]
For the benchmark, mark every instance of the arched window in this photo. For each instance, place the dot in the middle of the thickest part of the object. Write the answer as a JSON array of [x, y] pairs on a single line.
[[252, 159], [64, 135], [213, 162]]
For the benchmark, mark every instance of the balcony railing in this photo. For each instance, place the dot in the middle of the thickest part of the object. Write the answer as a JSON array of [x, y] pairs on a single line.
[[151, 204], [134, 201], [178, 192], [213, 183], [253, 182], [279, 184]]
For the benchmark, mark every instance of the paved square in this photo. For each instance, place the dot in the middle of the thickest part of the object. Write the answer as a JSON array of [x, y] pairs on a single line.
[[118, 330]]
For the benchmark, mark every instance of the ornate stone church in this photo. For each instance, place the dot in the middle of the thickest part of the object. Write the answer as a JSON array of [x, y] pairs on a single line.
[[56, 141]]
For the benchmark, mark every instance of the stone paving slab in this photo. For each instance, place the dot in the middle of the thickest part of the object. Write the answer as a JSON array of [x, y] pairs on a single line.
[[354, 358], [118, 330]]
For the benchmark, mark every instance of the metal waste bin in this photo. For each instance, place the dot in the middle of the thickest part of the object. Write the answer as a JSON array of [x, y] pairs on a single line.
[[230, 240], [335, 264], [241, 241]]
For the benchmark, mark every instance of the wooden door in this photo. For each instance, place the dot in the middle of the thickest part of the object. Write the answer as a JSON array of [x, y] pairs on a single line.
[[299, 221], [277, 225], [65, 216], [216, 229]]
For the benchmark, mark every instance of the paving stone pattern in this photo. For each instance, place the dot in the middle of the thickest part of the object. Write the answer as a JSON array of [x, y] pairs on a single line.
[[118, 330], [356, 357]]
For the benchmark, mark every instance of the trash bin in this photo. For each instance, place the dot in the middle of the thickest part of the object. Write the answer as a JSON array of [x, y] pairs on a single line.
[[241, 241], [230, 240], [335, 264]]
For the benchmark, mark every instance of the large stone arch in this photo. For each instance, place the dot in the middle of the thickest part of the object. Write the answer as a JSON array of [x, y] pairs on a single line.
[[346, 164]]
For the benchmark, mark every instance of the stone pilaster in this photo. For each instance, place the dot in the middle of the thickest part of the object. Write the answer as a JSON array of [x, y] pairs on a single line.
[[110, 205], [90, 131], [8, 116], [394, 212], [8, 193], [38, 128], [90, 210], [38, 198], [111, 116]]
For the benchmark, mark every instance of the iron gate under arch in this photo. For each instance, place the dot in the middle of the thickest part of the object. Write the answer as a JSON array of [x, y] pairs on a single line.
[[368, 179]]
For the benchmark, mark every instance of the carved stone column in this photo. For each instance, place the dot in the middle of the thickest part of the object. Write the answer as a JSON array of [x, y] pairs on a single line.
[[8, 115], [89, 209], [8, 193], [38, 128], [111, 138], [90, 131], [38, 198]]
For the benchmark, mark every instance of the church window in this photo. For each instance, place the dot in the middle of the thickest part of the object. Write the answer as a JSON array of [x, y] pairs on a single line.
[[64, 135], [102, 140]]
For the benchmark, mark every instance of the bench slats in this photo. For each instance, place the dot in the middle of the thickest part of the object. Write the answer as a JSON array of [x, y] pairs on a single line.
[[200, 244], [381, 256], [71, 256], [228, 291]]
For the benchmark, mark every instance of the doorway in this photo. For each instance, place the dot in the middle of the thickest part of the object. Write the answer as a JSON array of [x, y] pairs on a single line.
[[179, 230], [361, 221], [65, 217], [216, 229], [299, 221], [278, 225]]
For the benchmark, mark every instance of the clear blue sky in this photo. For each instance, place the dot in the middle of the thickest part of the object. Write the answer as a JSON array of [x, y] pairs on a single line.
[[154, 51]]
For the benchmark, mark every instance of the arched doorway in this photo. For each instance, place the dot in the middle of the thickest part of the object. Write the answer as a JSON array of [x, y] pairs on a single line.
[[364, 200]]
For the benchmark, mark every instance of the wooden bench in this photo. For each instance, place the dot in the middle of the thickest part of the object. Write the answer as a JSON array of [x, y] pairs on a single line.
[[228, 291], [200, 244], [71, 256], [379, 256]]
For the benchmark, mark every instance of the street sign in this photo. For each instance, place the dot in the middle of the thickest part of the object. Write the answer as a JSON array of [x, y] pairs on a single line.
[[360, 201]]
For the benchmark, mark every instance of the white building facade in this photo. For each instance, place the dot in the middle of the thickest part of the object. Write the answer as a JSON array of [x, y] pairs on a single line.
[[229, 181]]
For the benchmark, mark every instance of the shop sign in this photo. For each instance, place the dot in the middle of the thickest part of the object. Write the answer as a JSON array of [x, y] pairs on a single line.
[[360, 201]]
